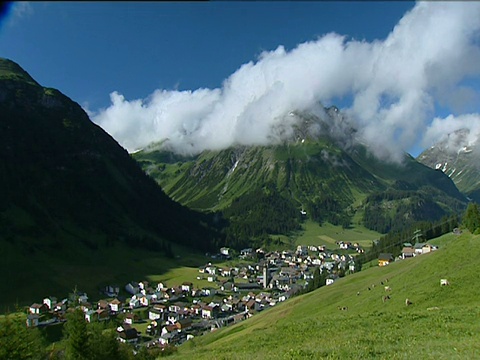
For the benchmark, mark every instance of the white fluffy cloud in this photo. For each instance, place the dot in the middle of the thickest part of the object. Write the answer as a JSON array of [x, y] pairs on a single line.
[[395, 85], [446, 129]]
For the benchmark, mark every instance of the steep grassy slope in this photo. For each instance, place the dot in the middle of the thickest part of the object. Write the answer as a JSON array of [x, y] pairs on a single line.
[[69, 191], [299, 171], [314, 175], [442, 322]]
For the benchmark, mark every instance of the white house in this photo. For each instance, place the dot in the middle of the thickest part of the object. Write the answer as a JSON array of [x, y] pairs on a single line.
[[154, 314], [115, 305], [134, 302], [187, 286], [50, 302]]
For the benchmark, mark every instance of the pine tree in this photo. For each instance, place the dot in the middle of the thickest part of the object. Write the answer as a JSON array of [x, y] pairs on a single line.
[[19, 342], [471, 219], [76, 336]]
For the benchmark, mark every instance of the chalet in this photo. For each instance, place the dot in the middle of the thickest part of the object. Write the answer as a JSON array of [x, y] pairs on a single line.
[[145, 300], [247, 286], [50, 302], [143, 285], [246, 252], [385, 259], [169, 329], [209, 312], [211, 269], [331, 279], [132, 288], [227, 286], [184, 324], [154, 314], [32, 320], [112, 290], [176, 307], [408, 252], [86, 307], [96, 315], [102, 304], [115, 305], [225, 251], [128, 336], [152, 328], [253, 305], [60, 306], [351, 266], [187, 286], [134, 302], [130, 318], [38, 308], [161, 286], [426, 248], [172, 318], [226, 272], [301, 250], [160, 307], [418, 248]]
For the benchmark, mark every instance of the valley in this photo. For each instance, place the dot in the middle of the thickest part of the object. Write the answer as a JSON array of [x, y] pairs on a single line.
[[271, 251]]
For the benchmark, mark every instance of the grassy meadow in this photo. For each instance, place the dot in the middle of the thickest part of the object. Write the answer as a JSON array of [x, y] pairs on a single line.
[[441, 323], [329, 234]]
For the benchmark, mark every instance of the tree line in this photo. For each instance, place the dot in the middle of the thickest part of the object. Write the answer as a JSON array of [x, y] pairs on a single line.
[[253, 216], [80, 341], [394, 240]]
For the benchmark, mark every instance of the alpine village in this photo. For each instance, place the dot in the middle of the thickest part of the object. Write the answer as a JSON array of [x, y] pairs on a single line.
[[253, 252]]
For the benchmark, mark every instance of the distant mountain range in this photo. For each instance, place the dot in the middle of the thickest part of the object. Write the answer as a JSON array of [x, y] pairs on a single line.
[[459, 160], [319, 174]]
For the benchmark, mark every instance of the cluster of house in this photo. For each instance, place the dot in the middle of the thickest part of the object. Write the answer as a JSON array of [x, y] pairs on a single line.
[[408, 251], [346, 245], [177, 313]]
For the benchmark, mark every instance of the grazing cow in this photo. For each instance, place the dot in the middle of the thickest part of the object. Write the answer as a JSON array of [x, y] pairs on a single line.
[[381, 282], [358, 293], [408, 302], [385, 298], [343, 308], [444, 282], [387, 288], [369, 289]]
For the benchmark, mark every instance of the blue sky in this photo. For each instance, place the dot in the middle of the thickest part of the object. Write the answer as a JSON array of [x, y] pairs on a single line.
[[88, 50]]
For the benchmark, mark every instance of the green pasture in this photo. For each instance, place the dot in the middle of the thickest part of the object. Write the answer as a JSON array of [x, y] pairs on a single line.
[[441, 323], [329, 234]]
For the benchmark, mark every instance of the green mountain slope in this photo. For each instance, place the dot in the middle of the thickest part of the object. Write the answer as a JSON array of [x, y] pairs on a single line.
[[442, 322], [314, 175], [66, 188]]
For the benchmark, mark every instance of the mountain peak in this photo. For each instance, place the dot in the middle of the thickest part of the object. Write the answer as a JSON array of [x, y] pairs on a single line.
[[10, 70]]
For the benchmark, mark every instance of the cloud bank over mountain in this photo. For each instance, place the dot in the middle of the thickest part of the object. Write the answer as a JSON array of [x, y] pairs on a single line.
[[430, 59]]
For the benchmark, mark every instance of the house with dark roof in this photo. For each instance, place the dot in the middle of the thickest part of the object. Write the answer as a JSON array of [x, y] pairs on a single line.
[[384, 259]]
